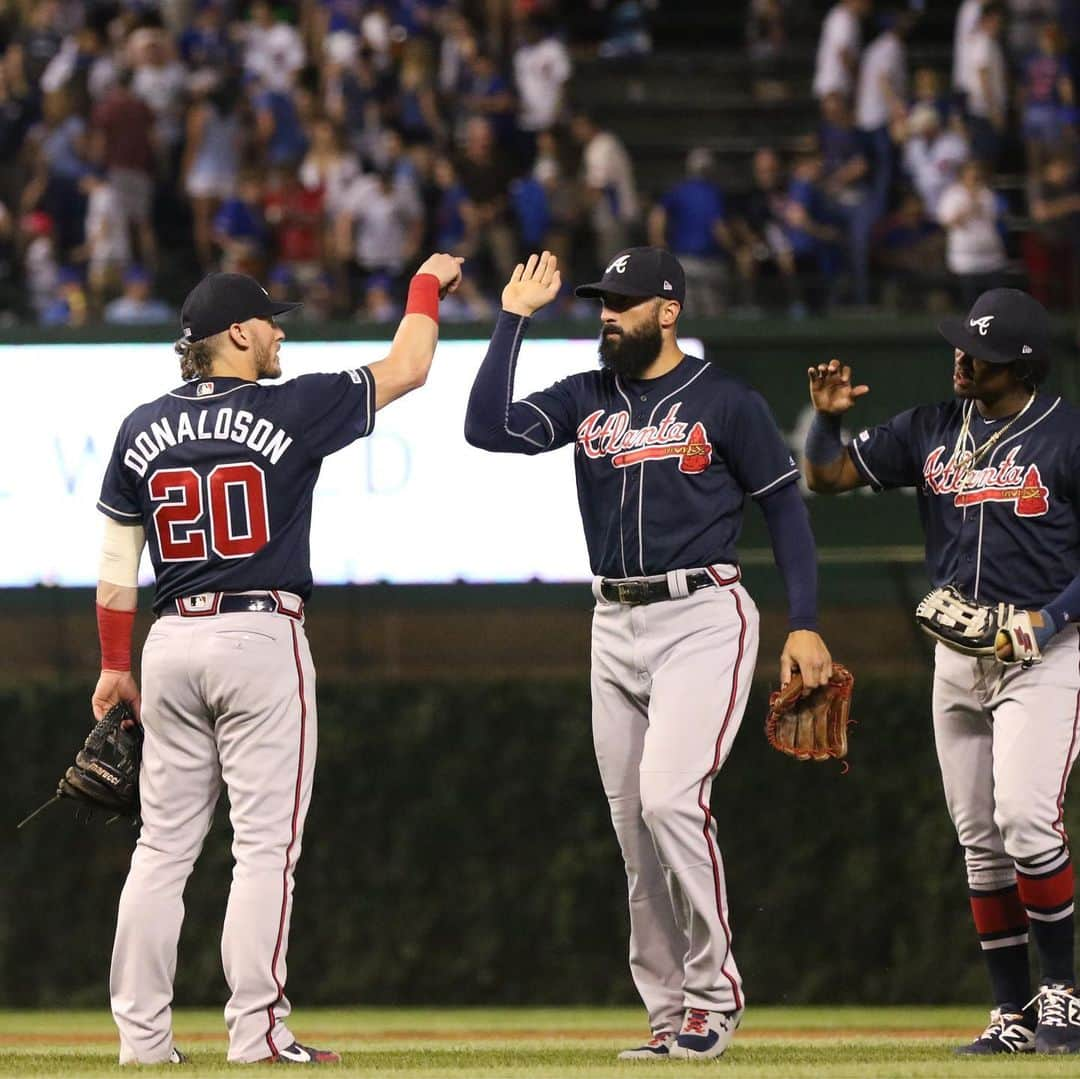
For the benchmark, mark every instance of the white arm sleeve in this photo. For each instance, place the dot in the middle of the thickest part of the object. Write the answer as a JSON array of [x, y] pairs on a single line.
[[121, 550]]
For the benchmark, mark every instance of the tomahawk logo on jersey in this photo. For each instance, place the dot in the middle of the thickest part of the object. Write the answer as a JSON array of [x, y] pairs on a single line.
[[712, 436], [221, 472], [1006, 530]]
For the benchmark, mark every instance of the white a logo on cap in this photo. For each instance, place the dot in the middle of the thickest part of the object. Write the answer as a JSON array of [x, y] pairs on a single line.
[[619, 265], [667, 286], [1026, 350], [982, 324]]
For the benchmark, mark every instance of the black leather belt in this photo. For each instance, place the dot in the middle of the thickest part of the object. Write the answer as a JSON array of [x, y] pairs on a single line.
[[637, 591], [211, 603]]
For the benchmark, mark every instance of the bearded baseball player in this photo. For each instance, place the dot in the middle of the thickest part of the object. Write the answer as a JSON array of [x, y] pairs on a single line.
[[997, 476], [217, 477], [666, 449]]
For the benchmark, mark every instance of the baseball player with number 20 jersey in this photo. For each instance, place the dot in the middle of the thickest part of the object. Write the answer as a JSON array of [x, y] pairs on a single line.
[[997, 475], [217, 477], [667, 448]]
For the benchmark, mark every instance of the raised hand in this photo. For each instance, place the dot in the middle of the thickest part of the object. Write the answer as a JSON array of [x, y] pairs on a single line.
[[447, 268], [532, 285], [831, 390]]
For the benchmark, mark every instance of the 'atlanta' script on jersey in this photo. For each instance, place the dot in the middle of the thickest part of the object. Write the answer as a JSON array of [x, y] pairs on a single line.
[[614, 437], [1006, 481]]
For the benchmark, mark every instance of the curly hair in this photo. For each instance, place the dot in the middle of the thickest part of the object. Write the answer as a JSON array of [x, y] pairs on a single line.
[[197, 357]]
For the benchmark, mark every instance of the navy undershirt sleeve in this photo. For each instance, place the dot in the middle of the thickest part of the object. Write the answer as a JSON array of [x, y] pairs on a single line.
[[795, 552]]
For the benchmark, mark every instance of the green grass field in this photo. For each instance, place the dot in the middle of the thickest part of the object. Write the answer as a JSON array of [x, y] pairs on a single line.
[[549, 1042]]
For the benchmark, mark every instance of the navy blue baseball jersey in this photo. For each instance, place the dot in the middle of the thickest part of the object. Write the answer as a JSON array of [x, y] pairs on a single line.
[[663, 465], [1008, 532], [221, 472]]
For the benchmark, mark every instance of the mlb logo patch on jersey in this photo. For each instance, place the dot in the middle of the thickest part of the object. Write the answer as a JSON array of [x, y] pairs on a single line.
[[355, 376], [864, 436], [204, 389]]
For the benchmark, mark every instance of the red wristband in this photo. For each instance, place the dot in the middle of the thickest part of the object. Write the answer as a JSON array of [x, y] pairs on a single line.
[[423, 296], [114, 633]]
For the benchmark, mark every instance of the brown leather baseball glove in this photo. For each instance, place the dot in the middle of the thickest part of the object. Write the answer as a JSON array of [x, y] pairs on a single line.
[[814, 727]]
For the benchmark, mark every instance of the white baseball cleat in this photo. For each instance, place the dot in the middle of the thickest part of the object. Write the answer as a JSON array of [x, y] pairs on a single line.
[[658, 1047], [704, 1034]]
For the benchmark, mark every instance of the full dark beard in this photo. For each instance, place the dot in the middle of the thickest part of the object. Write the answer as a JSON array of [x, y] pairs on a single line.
[[629, 354]]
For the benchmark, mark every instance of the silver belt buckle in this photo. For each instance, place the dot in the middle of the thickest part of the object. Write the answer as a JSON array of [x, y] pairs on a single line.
[[631, 592]]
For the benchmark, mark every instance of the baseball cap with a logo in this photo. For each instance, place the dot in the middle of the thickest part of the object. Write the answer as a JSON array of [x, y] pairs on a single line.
[[640, 271], [220, 299], [1003, 326]]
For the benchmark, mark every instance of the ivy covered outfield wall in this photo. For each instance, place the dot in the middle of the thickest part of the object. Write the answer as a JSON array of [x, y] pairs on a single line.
[[458, 851]]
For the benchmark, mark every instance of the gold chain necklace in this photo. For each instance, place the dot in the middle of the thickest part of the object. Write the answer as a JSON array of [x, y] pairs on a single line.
[[964, 460]]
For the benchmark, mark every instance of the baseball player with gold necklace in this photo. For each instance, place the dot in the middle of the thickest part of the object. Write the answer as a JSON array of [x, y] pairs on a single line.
[[217, 476], [997, 475], [667, 448]]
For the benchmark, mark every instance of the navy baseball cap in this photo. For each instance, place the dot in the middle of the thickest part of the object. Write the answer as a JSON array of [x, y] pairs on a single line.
[[220, 299], [1003, 326], [640, 271]]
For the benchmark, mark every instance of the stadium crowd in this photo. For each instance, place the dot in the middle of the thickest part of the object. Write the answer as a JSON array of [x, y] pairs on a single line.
[[324, 145]]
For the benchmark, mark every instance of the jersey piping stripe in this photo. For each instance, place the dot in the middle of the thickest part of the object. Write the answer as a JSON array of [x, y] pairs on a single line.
[[723, 582], [515, 348], [770, 486], [210, 396], [285, 872], [369, 384], [1070, 760], [718, 887], [641, 482], [982, 507], [854, 447], [622, 497], [122, 513], [544, 417]]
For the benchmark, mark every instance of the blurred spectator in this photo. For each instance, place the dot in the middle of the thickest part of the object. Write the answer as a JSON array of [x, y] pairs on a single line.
[[909, 247], [767, 44], [10, 293], [485, 176], [933, 155], [985, 85], [83, 66], [211, 155], [160, 81], [532, 213], [380, 231], [809, 229], [58, 149], [16, 116], [239, 228], [320, 299], [562, 193], [41, 38], [293, 213], [1026, 19], [627, 32], [609, 189], [457, 47], [964, 30], [273, 49], [137, 306], [975, 251], [281, 283], [417, 112], [691, 220], [467, 303], [123, 128], [837, 61], [541, 70], [1052, 246], [485, 93], [448, 226], [846, 184], [379, 303], [107, 249], [40, 267], [927, 90], [68, 306], [761, 231], [278, 127], [206, 43], [1048, 92], [880, 98], [329, 166]]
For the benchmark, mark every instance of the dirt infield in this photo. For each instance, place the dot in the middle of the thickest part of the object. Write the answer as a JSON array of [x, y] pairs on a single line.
[[447, 1036]]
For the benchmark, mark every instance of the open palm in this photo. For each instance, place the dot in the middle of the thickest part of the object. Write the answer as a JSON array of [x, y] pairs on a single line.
[[532, 285], [831, 390]]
